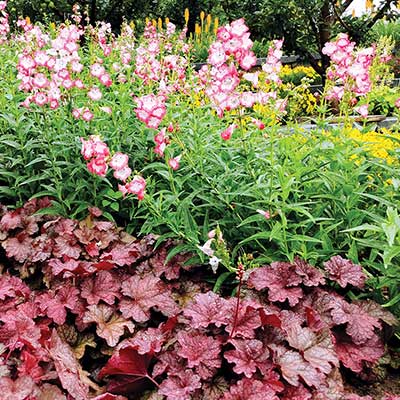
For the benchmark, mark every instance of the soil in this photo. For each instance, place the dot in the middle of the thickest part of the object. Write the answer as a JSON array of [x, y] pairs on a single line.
[[377, 390]]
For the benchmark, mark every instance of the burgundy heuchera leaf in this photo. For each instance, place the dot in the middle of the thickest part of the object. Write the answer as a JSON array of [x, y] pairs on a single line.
[[145, 293], [101, 287], [281, 280], [180, 386], [248, 356], [345, 272], [207, 308], [201, 351], [68, 369]]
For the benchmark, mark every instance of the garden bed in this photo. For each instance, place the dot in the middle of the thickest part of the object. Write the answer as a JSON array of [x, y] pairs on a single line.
[[173, 234]]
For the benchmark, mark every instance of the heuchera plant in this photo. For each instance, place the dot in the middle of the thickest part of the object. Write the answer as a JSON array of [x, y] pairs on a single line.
[[88, 311]]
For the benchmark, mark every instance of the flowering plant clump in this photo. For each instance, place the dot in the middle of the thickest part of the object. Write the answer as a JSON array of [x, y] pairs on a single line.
[[88, 311]]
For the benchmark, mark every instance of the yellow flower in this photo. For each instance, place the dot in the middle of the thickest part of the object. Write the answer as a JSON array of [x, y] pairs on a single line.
[[159, 24], [166, 20], [216, 22], [186, 16], [202, 15]]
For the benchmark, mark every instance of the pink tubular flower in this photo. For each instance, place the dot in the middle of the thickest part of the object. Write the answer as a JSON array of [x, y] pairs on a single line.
[[95, 94], [265, 214], [97, 70], [119, 161], [105, 80], [259, 124], [362, 110], [87, 115], [122, 174], [76, 113], [98, 166], [137, 186], [174, 162], [397, 103], [227, 133]]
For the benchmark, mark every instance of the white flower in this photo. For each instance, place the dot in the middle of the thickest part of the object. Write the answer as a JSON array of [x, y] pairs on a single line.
[[214, 262], [206, 248]]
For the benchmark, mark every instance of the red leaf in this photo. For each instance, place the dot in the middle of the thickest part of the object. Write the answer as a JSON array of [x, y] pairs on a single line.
[[310, 275], [247, 321], [250, 389], [201, 351], [293, 367], [179, 387], [360, 325], [109, 396], [11, 220], [11, 286], [352, 355], [318, 350], [68, 369], [145, 293], [148, 341], [19, 330], [19, 247], [19, 389], [127, 361], [279, 278], [297, 393], [110, 326], [377, 311], [345, 272], [125, 253], [30, 366], [101, 287], [207, 308], [248, 356], [42, 247], [66, 245]]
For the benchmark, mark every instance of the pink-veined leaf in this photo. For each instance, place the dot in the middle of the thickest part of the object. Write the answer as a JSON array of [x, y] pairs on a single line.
[[68, 369], [180, 386], [353, 356], [144, 294], [201, 351], [345, 272], [110, 325], [103, 286], [250, 389], [247, 356]]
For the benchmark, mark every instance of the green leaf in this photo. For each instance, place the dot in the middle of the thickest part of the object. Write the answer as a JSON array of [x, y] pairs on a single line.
[[180, 248], [221, 279]]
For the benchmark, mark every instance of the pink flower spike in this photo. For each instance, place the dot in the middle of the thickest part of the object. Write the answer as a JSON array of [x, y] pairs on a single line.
[[227, 133], [362, 110], [397, 103], [265, 214], [119, 161], [174, 162]]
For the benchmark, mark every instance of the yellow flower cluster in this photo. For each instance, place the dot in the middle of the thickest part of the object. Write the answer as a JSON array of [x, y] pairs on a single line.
[[381, 144], [296, 73]]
